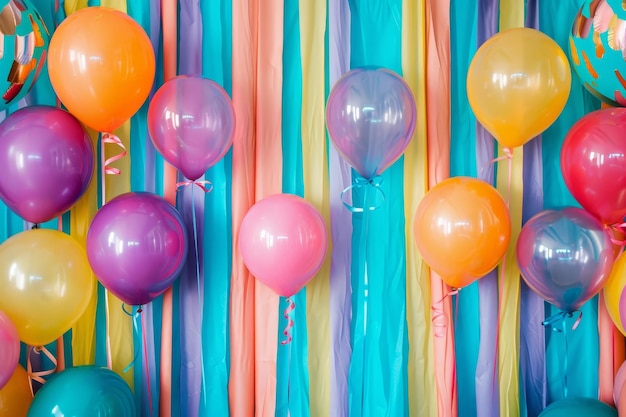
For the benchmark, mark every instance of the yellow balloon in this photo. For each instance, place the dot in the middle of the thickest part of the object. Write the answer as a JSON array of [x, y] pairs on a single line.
[[46, 283], [518, 84], [15, 396], [613, 291]]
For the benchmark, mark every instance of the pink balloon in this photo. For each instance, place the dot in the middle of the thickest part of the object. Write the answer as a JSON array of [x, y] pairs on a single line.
[[191, 122], [283, 241], [593, 162], [9, 349]]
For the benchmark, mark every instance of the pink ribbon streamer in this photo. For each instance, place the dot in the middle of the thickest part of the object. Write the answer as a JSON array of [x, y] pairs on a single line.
[[290, 322]]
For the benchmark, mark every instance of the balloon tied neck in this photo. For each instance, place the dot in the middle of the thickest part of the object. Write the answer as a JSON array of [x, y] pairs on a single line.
[[36, 226], [364, 184], [507, 155], [39, 376], [561, 318], [439, 318], [290, 323], [204, 185], [110, 138], [130, 313], [617, 234]]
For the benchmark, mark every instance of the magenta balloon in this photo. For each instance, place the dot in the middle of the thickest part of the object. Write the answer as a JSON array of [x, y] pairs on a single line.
[[565, 256], [593, 162], [370, 116], [137, 245], [46, 162], [191, 122], [283, 241], [9, 349]]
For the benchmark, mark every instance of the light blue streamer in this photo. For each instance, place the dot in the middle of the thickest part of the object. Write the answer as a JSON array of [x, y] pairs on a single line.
[[463, 16], [292, 376], [376, 38], [583, 343]]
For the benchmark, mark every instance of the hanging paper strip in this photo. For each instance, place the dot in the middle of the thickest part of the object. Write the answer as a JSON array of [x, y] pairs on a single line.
[[268, 177], [242, 330], [422, 390], [511, 15], [316, 191], [340, 177]]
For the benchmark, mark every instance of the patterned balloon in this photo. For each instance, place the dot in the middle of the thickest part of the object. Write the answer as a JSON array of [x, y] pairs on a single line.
[[25, 38], [598, 49]]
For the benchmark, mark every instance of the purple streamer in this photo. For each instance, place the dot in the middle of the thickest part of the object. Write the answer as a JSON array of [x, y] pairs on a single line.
[[532, 307], [341, 224], [487, 392], [190, 62]]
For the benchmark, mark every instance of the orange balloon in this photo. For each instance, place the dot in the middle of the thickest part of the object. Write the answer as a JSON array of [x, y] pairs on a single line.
[[102, 66], [15, 396], [462, 229]]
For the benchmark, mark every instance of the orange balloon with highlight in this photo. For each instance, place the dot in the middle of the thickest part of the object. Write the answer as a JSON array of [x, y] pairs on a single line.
[[15, 396], [462, 229], [102, 66]]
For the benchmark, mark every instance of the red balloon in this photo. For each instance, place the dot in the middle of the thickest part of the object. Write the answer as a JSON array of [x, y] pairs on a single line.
[[593, 162]]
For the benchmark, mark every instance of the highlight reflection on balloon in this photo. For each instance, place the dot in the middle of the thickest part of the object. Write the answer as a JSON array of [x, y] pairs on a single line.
[[565, 256]]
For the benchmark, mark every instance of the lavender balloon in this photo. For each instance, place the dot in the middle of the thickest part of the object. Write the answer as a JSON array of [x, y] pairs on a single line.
[[46, 162], [191, 122], [370, 116], [136, 245], [565, 256]]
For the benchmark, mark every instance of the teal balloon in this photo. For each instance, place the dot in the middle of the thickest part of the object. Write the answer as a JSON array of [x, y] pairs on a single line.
[[597, 48], [579, 407], [84, 391], [25, 40]]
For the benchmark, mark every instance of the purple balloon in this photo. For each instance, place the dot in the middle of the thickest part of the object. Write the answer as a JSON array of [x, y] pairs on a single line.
[[565, 256], [137, 245], [46, 162], [370, 116], [191, 122]]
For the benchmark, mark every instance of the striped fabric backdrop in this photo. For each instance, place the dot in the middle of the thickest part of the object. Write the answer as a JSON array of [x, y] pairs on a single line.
[[426, 353]]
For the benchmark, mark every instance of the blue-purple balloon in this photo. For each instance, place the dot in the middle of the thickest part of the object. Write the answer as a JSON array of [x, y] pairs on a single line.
[[565, 256], [370, 116], [136, 246], [46, 162]]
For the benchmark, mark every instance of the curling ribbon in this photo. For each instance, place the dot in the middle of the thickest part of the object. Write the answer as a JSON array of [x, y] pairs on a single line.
[[290, 322], [113, 139], [204, 185], [39, 375], [439, 319], [359, 182]]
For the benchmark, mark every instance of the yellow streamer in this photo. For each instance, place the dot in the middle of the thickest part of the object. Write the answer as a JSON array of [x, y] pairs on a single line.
[[511, 16], [422, 386], [316, 185], [84, 331]]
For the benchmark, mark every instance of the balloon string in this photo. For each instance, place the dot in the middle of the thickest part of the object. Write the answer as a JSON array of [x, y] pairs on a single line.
[[200, 304], [508, 156], [287, 314], [360, 182], [620, 228], [144, 340], [561, 318], [290, 322], [204, 185], [38, 376], [136, 317], [439, 319]]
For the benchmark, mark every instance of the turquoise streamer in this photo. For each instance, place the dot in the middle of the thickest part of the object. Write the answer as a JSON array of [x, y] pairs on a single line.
[[217, 244], [381, 387], [292, 376], [463, 22], [583, 344]]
